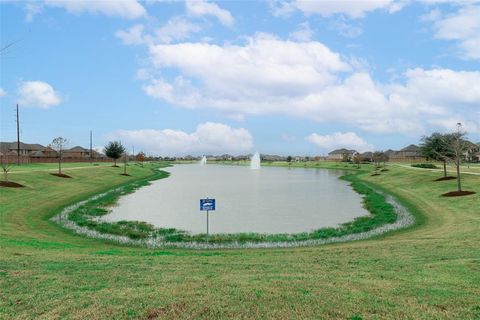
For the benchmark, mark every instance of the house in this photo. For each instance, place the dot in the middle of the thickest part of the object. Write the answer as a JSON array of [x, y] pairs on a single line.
[[76, 152], [26, 149], [473, 152], [341, 155], [411, 153]]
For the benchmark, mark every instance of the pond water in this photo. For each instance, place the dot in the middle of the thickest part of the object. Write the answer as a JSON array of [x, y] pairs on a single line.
[[269, 200]]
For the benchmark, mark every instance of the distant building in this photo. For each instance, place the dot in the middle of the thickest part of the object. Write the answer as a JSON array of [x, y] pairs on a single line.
[[411, 153], [341, 155], [26, 149], [473, 152], [76, 152], [366, 157]]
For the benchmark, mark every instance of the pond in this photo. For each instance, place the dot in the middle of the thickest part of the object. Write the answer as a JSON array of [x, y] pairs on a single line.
[[269, 200]]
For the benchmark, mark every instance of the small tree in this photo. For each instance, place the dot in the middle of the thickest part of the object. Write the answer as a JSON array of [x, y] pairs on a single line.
[[140, 158], [357, 158], [438, 147], [58, 144], [378, 157], [289, 159], [6, 166], [458, 146], [114, 150], [125, 159]]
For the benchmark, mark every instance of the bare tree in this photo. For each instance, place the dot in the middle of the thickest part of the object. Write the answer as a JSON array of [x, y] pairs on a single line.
[[140, 157], [458, 146], [378, 157], [357, 158], [58, 144], [6, 166], [125, 158]]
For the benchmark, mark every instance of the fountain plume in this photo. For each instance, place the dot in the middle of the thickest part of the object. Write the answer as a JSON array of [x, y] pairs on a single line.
[[255, 161]]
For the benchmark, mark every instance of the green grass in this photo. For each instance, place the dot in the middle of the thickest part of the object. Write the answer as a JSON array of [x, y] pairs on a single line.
[[430, 271]]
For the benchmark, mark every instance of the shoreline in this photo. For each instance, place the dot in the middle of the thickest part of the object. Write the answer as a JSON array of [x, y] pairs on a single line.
[[403, 220]]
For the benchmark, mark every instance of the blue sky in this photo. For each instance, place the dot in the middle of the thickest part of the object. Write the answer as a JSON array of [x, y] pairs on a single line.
[[198, 77]]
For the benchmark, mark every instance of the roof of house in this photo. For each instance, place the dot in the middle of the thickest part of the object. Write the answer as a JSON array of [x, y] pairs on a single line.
[[342, 151], [6, 146], [77, 149], [411, 147]]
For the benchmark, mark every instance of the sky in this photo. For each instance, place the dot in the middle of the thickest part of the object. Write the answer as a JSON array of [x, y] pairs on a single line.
[[213, 77]]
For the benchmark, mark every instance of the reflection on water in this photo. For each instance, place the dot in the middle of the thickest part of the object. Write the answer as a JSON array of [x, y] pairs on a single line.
[[270, 200]]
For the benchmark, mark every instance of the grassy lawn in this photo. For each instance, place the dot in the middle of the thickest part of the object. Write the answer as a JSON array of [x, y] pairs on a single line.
[[33, 167], [430, 271]]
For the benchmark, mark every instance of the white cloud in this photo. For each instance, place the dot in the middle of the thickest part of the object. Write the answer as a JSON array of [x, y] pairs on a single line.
[[134, 35], [345, 29], [304, 33], [37, 94], [129, 9], [462, 26], [268, 76], [32, 9], [208, 138], [349, 8], [199, 8], [348, 140], [264, 67], [176, 28], [2, 92]]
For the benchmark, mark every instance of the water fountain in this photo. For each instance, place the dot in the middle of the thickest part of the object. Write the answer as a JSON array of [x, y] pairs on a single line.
[[203, 161], [255, 161]]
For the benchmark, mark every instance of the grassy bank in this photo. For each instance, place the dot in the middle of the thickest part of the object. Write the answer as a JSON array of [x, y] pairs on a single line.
[[429, 271]]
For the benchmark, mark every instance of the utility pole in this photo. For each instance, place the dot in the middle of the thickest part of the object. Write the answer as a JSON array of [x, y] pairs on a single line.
[[18, 138], [91, 154]]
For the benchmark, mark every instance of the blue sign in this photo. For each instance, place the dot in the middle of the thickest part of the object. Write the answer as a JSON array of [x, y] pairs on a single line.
[[207, 204]]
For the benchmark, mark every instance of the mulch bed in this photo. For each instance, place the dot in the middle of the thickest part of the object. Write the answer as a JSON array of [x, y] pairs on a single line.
[[458, 193], [125, 174], [445, 178], [61, 175], [10, 184]]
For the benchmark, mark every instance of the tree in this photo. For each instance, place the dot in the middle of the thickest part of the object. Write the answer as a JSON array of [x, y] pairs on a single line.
[[377, 157], [289, 159], [357, 158], [140, 157], [458, 145], [125, 159], [114, 150], [58, 144], [438, 147], [6, 166]]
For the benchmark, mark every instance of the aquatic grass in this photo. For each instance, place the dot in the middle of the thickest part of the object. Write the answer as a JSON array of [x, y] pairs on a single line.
[[84, 214], [83, 218]]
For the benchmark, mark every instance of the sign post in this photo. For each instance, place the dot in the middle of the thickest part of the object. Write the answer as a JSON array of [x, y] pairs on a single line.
[[207, 205]]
